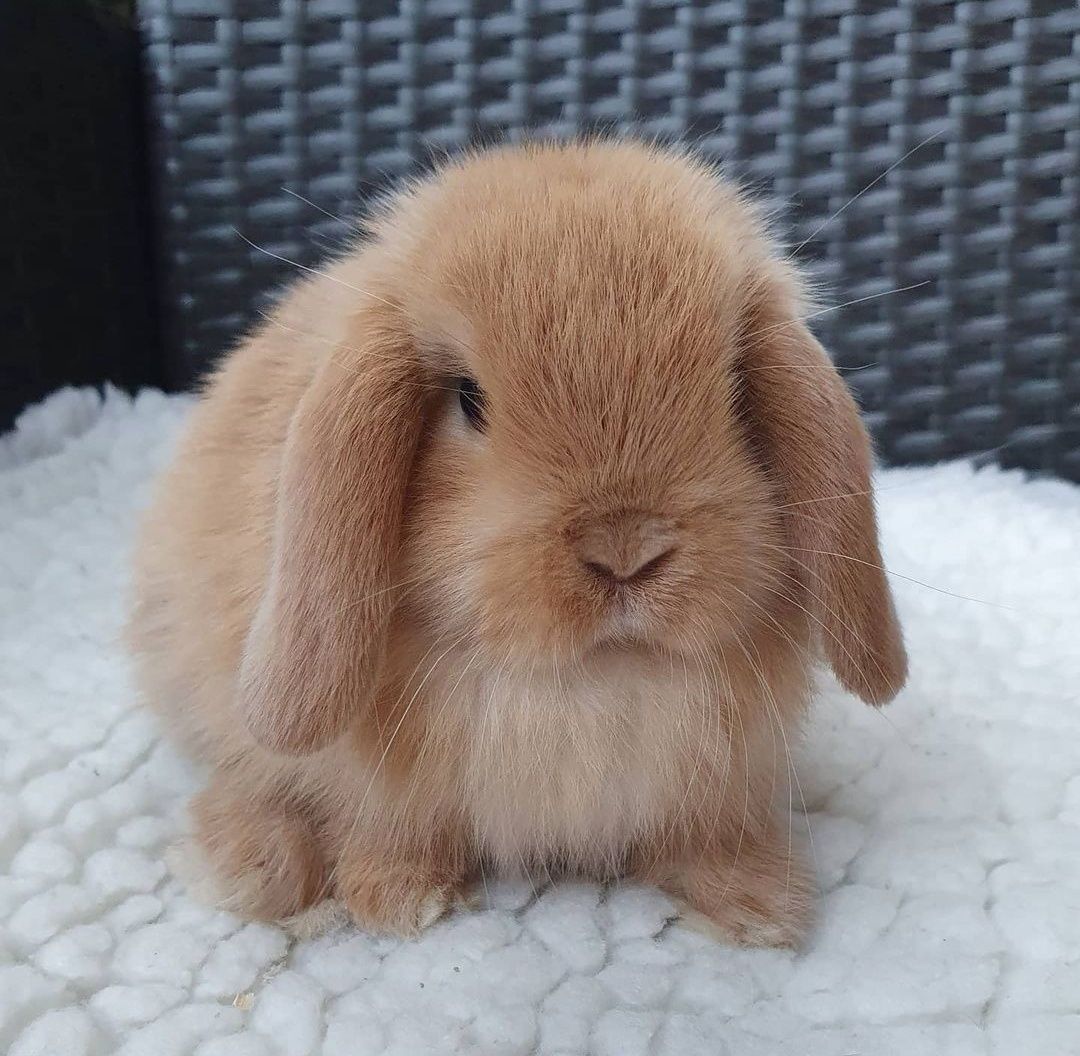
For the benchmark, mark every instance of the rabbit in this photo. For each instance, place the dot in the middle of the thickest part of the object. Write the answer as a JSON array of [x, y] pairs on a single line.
[[509, 541]]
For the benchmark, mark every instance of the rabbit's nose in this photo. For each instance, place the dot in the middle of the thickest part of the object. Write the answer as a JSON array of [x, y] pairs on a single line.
[[626, 546]]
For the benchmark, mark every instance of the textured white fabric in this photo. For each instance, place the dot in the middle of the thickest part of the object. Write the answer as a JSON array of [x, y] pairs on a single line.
[[946, 830]]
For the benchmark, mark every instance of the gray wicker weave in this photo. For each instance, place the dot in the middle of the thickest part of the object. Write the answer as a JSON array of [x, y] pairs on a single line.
[[810, 101]]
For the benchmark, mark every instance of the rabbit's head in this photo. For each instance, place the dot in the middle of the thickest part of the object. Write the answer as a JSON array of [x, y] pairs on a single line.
[[576, 413]]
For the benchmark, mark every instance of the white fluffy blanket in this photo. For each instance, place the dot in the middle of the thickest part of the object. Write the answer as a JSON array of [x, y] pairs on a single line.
[[946, 830]]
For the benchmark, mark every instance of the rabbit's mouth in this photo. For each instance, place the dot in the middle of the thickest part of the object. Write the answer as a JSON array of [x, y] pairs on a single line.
[[623, 630]]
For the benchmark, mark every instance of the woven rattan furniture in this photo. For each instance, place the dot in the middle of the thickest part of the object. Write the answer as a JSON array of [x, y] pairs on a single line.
[[927, 146]]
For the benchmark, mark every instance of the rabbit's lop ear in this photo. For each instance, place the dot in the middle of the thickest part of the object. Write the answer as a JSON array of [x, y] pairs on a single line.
[[314, 648], [817, 449]]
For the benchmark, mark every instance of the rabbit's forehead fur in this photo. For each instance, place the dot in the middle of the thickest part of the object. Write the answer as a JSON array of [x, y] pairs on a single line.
[[595, 292], [589, 268]]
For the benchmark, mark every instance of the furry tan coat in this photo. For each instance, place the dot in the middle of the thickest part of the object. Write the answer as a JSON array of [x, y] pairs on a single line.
[[507, 542]]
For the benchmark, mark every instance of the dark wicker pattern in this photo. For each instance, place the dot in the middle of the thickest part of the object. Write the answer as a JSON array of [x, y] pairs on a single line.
[[809, 100]]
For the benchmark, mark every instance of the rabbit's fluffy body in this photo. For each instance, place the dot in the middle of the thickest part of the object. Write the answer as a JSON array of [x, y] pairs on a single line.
[[385, 629]]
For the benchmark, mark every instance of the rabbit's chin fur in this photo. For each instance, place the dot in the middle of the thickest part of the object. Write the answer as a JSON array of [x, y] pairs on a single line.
[[573, 635]]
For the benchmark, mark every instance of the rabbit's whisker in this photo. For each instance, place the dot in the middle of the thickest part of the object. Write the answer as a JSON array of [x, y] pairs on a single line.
[[322, 274], [898, 575], [801, 588], [775, 724], [434, 728], [706, 844], [776, 712], [397, 729], [825, 311], [410, 583], [828, 609], [721, 739], [725, 729], [916, 479], [696, 752], [873, 183], [810, 366], [326, 212]]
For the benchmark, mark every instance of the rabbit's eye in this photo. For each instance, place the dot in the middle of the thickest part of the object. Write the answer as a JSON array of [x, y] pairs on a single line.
[[471, 397]]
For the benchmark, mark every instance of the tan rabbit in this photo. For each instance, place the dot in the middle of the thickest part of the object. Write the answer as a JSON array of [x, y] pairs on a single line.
[[507, 543]]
